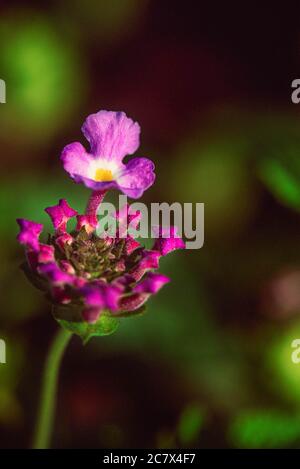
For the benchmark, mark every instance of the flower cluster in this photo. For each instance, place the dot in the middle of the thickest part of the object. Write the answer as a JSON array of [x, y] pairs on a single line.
[[110, 276]]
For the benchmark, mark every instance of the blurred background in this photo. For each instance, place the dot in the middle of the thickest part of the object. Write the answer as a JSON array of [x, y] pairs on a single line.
[[209, 365]]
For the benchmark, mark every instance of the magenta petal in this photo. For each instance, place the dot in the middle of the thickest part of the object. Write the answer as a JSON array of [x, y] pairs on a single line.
[[86, 221], [60, 214], [133, 302], [152, 283], [112, 297], [76, 161], [130, 245], [55, 274], [149, 260], [46, 253], [101, 295], [29, 233], [93, 296], [66, 266], [63, 240], [68, 211], [168, 240], [137, 176], [111, 135]]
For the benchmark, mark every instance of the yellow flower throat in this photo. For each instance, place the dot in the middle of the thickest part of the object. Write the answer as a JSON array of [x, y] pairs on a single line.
[[103, 175]]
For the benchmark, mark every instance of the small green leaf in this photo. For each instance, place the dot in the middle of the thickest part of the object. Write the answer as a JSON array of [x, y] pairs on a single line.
[[70, 319]]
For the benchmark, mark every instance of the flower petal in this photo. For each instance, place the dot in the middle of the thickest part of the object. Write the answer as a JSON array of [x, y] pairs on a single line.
[[60, 214], [76, 161], [101, 295], [55, 275], [29, 233], [46, 254], [112, 135], [152, 283], [168, 240], [133, 302], [137, 176], [63, 240], [149, 260]]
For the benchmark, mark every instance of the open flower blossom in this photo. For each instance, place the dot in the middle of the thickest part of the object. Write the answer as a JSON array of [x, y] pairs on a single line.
[[112, 136], [98, 276]]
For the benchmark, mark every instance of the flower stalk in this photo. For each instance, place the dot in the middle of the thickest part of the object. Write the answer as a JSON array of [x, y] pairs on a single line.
[[46, 411], [93, 204]]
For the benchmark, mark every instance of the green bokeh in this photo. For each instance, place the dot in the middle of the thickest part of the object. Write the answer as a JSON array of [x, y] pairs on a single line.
[[44, 80], [214, 170], [284, 376], [264, 429]]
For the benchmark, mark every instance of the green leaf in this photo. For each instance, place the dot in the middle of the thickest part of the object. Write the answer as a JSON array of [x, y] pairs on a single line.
[[264, 429], [70, 319]]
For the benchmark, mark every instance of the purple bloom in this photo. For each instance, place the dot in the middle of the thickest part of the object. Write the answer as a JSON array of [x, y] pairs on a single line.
[[97, 274], [29, 233], [112, 136], [60, 214], [93, 275]]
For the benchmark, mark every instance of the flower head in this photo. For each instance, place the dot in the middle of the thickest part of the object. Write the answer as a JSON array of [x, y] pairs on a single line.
[[91, 280], [97, 275], [112, 136]]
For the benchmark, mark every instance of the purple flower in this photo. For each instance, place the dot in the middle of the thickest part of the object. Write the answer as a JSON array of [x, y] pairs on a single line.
[[87, 274], [112, 136], [60, 214], [29, 233], [99, 275]]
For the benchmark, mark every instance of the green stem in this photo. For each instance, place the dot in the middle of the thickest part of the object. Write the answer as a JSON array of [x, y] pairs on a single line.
[[49, 390]]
